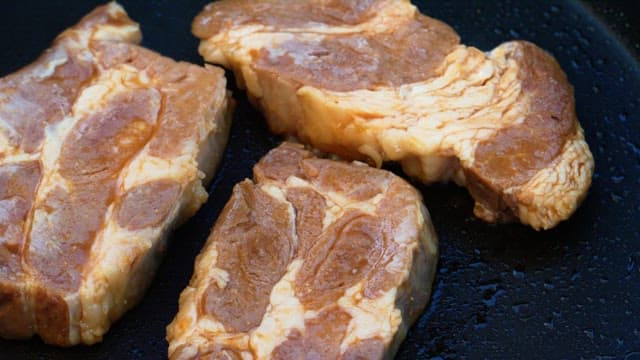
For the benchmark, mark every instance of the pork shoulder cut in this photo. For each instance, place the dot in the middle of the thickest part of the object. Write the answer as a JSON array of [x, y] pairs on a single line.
[[315, 259], [104, 147], [376, 80]]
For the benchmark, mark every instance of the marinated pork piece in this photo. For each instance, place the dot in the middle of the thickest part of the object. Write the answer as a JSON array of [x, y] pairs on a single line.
[[377, 81], [104, 147], [316, 259]]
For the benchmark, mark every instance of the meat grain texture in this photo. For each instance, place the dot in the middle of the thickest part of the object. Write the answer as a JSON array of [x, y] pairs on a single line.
[[375, 80], [314, 259], [104, 147]]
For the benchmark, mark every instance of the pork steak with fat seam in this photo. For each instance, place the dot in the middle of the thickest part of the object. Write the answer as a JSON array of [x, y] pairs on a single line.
[[314, 259], [104, 148], [376, 80]]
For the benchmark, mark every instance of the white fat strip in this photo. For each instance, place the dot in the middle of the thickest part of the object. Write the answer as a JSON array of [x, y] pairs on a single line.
[[284, 313], [377, 317]]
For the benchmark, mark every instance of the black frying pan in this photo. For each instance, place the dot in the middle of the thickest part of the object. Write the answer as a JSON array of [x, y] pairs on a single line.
[[502, 291]]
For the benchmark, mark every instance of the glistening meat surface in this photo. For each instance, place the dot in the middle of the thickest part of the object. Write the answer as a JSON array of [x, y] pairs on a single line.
[[315, 259], [104, 147], [377, 81]]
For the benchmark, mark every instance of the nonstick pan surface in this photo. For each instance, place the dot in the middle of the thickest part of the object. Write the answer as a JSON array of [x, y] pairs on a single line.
[[502, 291]]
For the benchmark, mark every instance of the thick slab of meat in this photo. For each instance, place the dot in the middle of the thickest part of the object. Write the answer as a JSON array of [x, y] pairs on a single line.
[[376, 80], [316, 259], [104, 147]]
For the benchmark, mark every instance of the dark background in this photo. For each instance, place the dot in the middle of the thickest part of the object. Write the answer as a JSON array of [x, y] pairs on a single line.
[[502, 291]]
